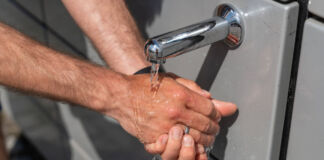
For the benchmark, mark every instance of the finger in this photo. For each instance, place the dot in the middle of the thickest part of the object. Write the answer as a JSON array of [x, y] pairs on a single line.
[[201, 138], [199, 122], [173, 146], [188, 151], [193, 86], [159, 146], [200, 149], [202, 105], [225, 108], [202, 156], [172, 75]]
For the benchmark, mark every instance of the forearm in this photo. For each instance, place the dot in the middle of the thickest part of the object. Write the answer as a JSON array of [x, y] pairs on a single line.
[[112, 29], [28, 66]]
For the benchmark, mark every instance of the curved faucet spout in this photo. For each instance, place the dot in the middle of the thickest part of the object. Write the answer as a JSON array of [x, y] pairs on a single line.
[[226, 26]]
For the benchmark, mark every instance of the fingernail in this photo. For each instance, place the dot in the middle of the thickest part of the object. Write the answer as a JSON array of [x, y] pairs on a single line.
[[215, 103], [176, 133], [187, 141], [164, 139], [201, 149], [217, 133], [219, 119]]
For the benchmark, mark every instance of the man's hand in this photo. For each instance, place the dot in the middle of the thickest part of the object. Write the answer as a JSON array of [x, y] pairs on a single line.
[[225, 108], [176, 146], [147, 115], [120, 43]]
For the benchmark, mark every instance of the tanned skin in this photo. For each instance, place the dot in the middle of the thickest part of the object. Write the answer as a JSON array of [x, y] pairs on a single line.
[[114, 32], [28, 66]]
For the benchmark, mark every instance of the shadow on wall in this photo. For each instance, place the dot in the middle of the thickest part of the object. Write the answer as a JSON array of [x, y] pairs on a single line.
[[206, 77], [144, 12], [212, 64], [221, 141]]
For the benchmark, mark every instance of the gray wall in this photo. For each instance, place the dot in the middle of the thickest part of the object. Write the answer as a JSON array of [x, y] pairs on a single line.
[[255, 76], [306, 135]]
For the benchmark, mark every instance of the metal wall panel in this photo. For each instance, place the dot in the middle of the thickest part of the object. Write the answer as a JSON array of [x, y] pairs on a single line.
[[255, 76], [306, 139], [316, 7]]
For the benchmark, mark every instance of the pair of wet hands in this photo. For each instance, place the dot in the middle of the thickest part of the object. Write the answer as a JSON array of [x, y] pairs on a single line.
[[179, 146]]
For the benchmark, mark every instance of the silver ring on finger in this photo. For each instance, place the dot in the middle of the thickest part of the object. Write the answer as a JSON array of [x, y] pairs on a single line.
[[157, 157], [187, 129]]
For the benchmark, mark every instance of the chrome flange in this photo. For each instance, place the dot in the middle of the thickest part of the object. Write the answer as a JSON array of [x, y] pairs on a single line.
[[236, 28]]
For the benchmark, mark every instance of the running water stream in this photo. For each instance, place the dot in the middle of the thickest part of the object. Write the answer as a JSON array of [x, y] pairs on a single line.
[[155, 82], [155, 74]]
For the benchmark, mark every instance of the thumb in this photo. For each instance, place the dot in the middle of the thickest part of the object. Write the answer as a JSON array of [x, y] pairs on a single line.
[[225, 108]]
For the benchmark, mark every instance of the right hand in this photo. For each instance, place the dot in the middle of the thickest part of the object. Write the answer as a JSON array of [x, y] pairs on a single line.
[[147, 115], [225, 108]]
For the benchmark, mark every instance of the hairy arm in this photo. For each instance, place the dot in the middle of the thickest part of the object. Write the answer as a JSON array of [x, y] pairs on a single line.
[[112, 29], [28, 66], [33, 68]]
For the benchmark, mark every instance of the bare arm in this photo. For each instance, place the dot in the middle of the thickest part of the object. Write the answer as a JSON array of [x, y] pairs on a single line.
[[112, 29], [33, 68]]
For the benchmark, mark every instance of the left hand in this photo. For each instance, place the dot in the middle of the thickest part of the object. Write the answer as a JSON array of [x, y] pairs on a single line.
[[225, 108], [177, 146]]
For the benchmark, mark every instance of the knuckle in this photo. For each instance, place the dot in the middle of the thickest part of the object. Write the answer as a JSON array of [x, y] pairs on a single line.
[[166, 126], [207, 127], [212, 110], [174, 112], [180, 94], [198, 137]]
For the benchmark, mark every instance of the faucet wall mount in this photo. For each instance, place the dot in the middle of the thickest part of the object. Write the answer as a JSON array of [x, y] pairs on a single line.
[[226, 26]]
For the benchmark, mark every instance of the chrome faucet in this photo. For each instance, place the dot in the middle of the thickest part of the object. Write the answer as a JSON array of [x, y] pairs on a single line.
[[227, 25]]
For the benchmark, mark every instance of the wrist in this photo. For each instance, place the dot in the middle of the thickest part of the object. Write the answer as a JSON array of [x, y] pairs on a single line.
[[128, 63], [123, 57], [108, 91]]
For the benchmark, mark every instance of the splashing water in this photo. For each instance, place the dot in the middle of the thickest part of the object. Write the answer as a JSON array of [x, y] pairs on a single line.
[[155, 83]]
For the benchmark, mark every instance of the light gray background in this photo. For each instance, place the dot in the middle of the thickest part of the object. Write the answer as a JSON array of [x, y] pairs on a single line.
[[255, 76], [307, 130]]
